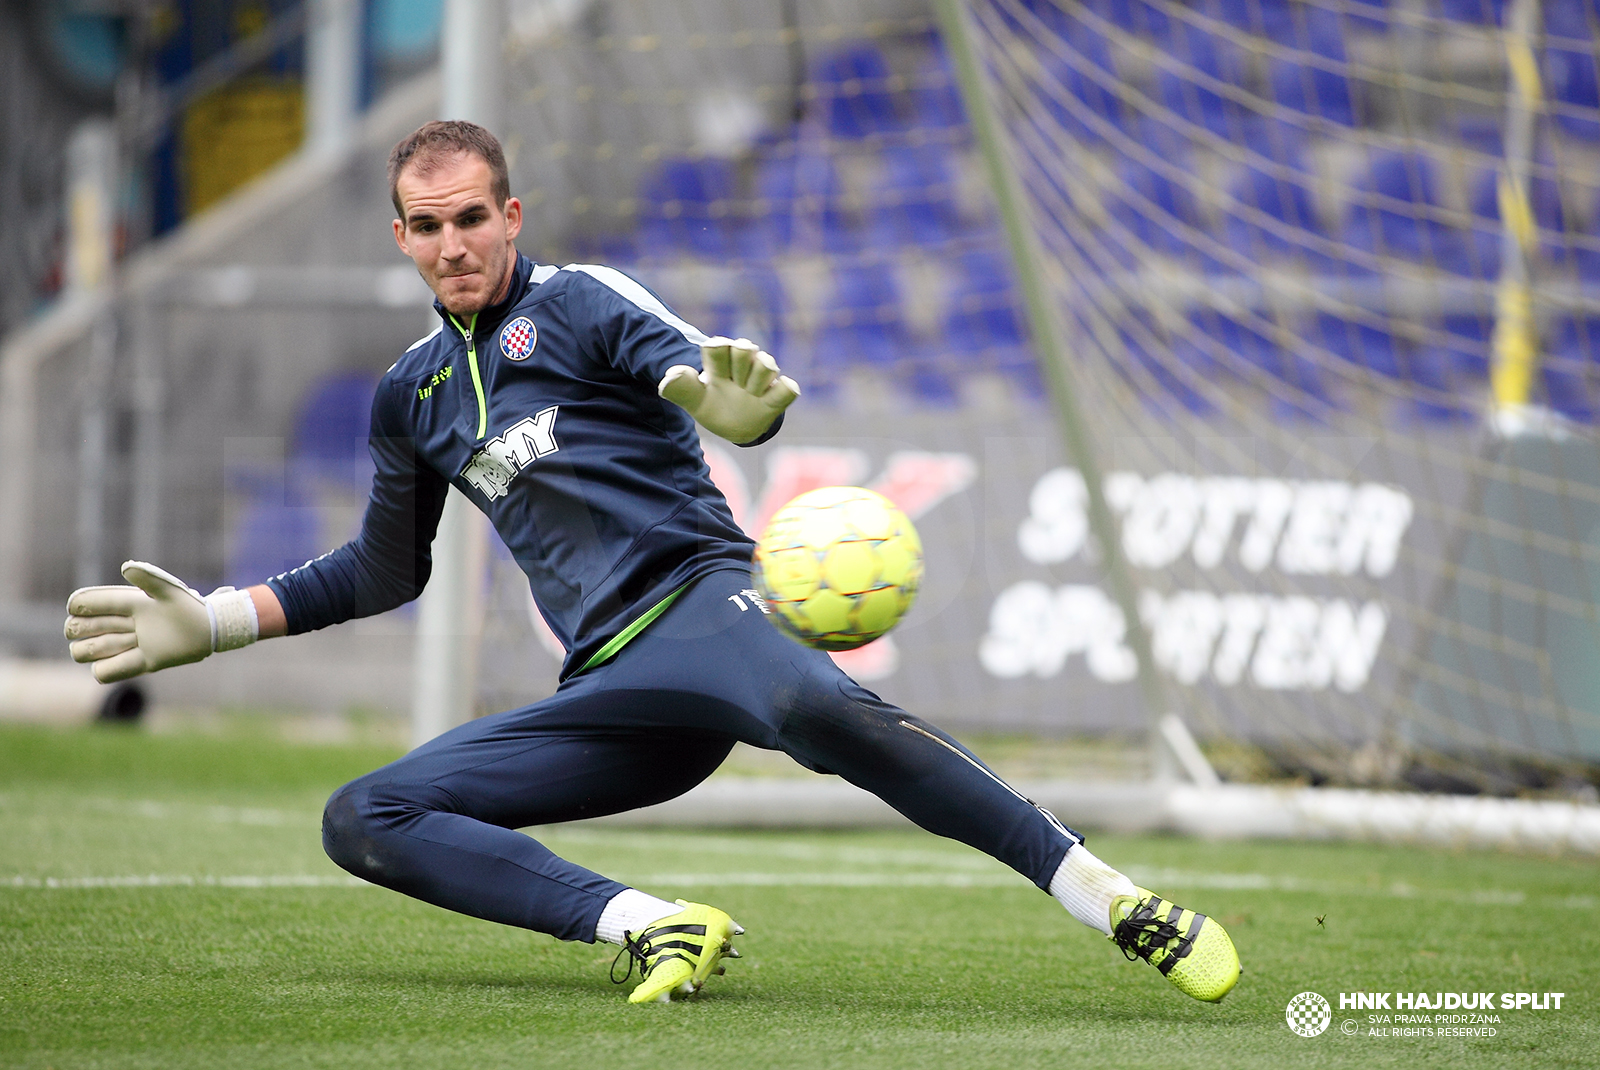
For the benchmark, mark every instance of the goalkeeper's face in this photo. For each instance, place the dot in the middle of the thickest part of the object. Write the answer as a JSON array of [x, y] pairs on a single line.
[[456, 232]]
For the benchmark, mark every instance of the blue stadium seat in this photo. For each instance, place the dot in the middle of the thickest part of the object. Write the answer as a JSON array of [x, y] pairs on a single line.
[[330, 431], [863, 319], [277, 528], [1205, 58], [1299, 388], [1358, 343], [799, 203], [279, 525], [935, 93], [1569, 369], [853, 93], [688, 204], [763, 307], [1070, 89], [1255, 16], [1410, 229], [1162, 367], [1573, 90], [1307, 86], [1482, 12], [914, 200], [1466, 350], [1138, 16], [1285, 198], [1152, 208], [984, 317], [1570, 18]]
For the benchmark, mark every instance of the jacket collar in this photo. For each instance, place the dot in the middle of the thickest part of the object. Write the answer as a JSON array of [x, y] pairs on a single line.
[[489, 319]]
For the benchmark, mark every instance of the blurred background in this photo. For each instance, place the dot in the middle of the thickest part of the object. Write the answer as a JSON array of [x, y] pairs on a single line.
[[1303, 291]]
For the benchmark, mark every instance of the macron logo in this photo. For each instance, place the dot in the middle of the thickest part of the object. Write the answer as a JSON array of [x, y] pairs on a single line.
[[492, 468]]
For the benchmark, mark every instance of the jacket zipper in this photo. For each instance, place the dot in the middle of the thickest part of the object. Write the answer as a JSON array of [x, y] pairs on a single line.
[[472, 364]]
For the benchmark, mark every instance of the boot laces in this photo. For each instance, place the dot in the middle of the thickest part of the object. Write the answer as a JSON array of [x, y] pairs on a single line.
[[1141, 934]]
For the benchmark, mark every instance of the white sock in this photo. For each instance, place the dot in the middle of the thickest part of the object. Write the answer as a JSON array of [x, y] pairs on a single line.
[[1086, 886], [630, 911]]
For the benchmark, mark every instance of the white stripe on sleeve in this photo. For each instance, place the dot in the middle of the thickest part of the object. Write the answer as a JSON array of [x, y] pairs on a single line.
[[641, 297], [425, 338]]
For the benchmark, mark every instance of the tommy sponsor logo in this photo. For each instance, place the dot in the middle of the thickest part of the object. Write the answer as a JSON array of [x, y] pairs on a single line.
[[518, 338], [492, 468]]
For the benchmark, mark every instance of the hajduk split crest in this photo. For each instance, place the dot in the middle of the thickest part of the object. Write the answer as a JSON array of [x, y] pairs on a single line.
[[518, 338]]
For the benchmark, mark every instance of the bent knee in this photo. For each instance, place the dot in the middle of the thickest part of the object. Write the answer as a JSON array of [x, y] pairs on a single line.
[[347, 830]]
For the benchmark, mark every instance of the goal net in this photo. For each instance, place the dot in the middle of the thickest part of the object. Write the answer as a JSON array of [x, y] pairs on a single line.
[[1325, 278]]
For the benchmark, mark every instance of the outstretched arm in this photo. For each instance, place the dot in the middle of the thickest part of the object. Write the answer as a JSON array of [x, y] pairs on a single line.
[[156, 622]]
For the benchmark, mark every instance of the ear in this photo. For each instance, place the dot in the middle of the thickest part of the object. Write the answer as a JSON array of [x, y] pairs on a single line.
[[400, 236], [513, 218]]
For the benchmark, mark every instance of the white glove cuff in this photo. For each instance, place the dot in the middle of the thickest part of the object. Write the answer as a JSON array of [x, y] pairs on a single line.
[[233, 619]]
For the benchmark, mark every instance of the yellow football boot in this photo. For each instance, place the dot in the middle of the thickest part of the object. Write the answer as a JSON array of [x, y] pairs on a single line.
[[1191, 950], [676, 954]]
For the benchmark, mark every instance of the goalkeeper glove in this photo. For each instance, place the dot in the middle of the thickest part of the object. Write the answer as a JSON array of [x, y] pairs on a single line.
[[739, 393], [155, 624]]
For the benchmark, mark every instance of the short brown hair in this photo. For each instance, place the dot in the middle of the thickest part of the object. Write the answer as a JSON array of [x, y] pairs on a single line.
[[432, 143]]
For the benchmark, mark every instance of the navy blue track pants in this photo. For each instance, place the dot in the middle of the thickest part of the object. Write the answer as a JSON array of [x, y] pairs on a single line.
[[647, 726]]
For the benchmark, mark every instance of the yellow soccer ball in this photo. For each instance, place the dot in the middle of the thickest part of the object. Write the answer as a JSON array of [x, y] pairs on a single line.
[[839, 566]]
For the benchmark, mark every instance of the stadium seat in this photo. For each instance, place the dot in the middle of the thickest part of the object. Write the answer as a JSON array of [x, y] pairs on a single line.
[[863, 319], [1482, 12], [1285, 198], [1309, 87], [1573, 90], [853, 93], [1569, 367], [1137, 16], [935, 92], [279, 521], [330, 431], [1254, 16], [914, 200], [688, 204], [276, 527], [799, 203], [984, 323], [1395, 211], [1070, 89], [1166, 369], [1465, 352], [1151, 209], [1359, 343], [1297, 386], [1204, 59]]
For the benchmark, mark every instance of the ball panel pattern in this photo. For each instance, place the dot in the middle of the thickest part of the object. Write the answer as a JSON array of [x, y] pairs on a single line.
[[839, 567]]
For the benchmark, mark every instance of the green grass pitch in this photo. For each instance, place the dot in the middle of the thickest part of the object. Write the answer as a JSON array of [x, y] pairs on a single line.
[[164, 903]]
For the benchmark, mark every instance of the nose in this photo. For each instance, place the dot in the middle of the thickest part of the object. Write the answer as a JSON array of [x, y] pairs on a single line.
[[452, 247]]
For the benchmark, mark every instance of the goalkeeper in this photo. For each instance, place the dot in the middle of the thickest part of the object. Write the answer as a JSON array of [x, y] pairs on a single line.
[[563, 403]]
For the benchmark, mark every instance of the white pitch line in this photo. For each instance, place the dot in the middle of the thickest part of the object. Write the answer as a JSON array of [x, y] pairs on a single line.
[[1170, 878], [158, 880]]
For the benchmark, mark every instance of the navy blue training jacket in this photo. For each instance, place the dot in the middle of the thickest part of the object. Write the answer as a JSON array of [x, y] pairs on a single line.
[[595, 483]]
